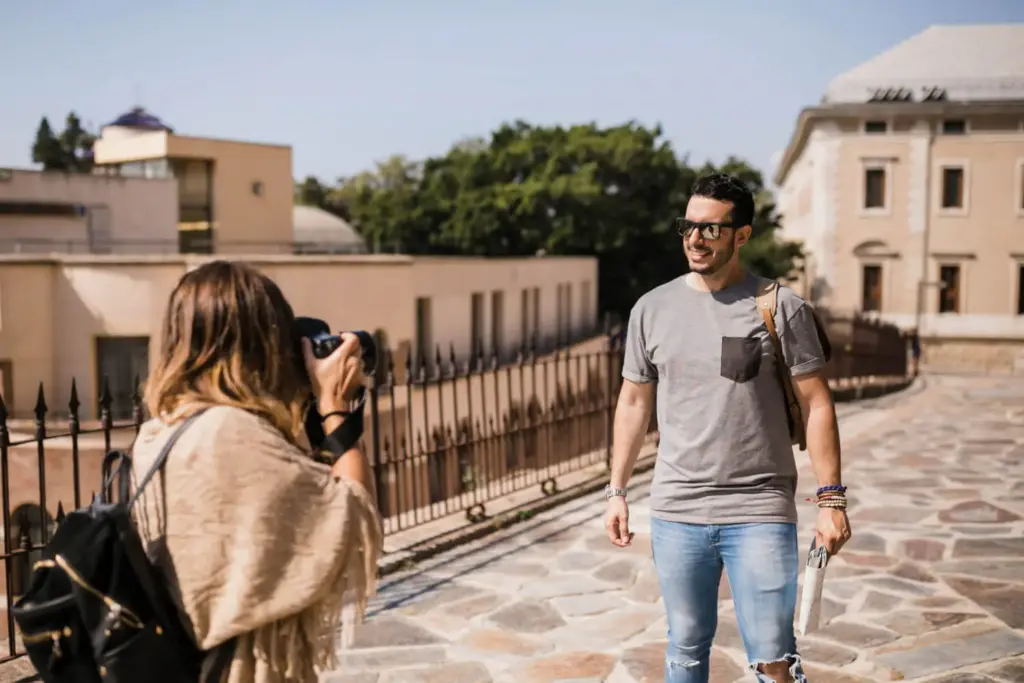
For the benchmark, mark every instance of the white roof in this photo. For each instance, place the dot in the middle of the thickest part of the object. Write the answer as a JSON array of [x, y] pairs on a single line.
[[314, 226], [977, 62]]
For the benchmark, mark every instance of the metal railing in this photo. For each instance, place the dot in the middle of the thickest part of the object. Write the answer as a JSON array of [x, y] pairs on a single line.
[[443, 437], [184, 243], [865, 347]]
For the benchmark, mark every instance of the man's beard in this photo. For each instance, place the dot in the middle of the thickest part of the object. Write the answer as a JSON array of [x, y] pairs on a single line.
[[718, 258]]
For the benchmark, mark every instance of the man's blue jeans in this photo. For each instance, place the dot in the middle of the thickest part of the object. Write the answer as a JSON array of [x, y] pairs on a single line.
[[762, 563]]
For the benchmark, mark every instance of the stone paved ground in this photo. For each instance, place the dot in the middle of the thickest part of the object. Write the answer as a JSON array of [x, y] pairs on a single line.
[[931, 588]]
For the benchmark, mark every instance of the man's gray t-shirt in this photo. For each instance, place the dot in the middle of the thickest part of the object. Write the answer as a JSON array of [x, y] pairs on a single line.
[[725, 455]]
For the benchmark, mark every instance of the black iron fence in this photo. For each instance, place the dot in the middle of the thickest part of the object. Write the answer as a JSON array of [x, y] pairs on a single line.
[[865, 348], [443, 436]]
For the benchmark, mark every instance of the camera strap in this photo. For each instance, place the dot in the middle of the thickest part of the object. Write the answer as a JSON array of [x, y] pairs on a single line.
[[346, 436]]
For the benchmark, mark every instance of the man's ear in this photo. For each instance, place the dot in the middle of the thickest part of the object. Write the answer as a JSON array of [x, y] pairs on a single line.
[[743, 235]]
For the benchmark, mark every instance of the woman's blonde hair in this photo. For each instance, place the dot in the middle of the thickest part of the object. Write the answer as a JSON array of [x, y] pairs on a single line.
[[228, 340]]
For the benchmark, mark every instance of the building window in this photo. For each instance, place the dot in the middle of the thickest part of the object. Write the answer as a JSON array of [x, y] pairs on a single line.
[[875, 127], [535, 312], [498, 321], [476, 324], [954, 127], [423, 341], [1020, 289], [585, 317], [871, 289], [874, 188], [122, 364], [524, 318], [949, 290], [568, 313], [1020, 187], [952, 188]]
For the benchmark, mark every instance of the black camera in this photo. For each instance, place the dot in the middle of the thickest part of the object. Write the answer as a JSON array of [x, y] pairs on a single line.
[[325, 343]]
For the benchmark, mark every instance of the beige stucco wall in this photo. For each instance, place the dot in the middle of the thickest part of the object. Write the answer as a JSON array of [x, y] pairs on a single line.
[[245, 223], [986, 238], [140, 214], [118, 144], [450, 282], [53, 309]]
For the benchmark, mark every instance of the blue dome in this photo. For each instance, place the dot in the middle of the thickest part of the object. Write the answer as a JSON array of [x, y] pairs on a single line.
[[140, 118]]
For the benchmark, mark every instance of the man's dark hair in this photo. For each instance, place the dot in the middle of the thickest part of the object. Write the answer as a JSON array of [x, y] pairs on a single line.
[[727, 188]]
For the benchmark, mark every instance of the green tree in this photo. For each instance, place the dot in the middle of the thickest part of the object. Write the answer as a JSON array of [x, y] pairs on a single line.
[[583, 190], [76, 143], [46, 149], [311, 192], [70, 151]]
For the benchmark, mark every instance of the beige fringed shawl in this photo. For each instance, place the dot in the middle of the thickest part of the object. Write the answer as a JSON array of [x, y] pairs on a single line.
[[259, 542]]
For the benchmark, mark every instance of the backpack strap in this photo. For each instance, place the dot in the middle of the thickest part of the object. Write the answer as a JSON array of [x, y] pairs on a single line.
[[116, 464], [217, 661], [162, 457], [767, 303]]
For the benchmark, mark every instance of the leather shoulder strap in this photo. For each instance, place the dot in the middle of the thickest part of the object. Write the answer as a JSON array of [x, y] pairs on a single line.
[[767, 303]]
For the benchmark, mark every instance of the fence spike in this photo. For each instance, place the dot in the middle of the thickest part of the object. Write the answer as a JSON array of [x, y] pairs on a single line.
[[60, 512], [41, 407], [451, 359], [106, 400], [438, 370], [73, 403], [390, 360]]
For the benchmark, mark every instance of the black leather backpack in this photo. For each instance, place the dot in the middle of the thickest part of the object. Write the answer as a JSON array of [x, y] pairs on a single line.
[[97, 611]]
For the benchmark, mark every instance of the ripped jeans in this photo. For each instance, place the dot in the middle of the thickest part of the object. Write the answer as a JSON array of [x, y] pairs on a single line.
[[762, 563]]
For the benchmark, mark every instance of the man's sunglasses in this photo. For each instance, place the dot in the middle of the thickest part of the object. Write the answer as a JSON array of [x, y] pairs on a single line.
[[708, 231]]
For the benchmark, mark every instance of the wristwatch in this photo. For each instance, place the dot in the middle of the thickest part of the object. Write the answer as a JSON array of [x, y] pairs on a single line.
[[610, 491]]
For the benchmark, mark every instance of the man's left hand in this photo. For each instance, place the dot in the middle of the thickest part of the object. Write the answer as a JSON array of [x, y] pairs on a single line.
[[833, 529]]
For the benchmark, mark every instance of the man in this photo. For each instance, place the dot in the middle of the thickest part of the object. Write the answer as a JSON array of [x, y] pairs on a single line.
[[915, 352], [724, 484]]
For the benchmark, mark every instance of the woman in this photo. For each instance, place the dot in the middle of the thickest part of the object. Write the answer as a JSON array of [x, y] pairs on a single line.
[[259, 542]]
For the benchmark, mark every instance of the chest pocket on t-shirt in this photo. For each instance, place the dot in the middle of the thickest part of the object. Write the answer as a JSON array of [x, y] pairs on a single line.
[[741, 358]]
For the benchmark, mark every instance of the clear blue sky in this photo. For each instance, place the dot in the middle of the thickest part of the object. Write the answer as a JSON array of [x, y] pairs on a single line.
[[347, 83]]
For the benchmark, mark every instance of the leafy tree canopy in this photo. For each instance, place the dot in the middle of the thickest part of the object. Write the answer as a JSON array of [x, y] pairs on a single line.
[[583, 190], [69, 151]]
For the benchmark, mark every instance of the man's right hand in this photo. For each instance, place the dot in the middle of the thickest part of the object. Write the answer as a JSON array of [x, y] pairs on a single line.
[[616, 521]]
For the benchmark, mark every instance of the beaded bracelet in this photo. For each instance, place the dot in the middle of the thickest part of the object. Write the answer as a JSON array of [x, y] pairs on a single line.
[[832, 503], [831, 488]]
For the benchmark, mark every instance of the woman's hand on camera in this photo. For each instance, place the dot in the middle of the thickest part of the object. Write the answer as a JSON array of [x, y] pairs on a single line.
[[337, 378]]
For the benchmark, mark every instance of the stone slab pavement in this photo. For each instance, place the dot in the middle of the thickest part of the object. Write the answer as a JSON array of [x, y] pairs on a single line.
[[931, 588]]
